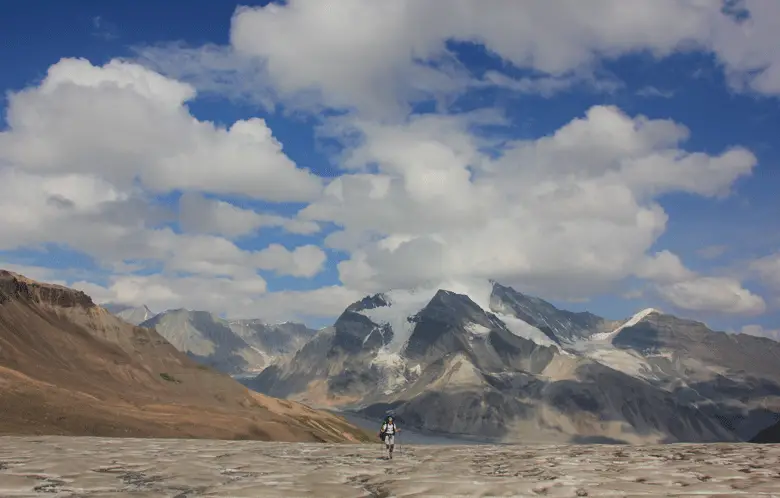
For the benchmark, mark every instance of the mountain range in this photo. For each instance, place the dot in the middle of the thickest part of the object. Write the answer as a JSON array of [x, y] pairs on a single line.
[[69, 367], [512, 367], [235, 347]]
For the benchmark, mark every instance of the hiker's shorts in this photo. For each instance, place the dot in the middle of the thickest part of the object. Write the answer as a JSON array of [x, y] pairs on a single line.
[[389, 440]]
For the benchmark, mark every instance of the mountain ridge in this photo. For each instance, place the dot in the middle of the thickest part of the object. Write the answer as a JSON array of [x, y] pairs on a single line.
[[411, 353], [68, 366]]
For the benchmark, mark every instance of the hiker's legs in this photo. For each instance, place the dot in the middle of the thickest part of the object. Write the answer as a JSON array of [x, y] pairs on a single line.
[[390, 440]]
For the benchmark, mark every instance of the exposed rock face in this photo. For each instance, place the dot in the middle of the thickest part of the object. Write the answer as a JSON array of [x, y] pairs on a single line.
[[70, 367], [209, 340], [735, 377], [525, 369], [14, 286], [557, 324], [275, 340], [235, 347]]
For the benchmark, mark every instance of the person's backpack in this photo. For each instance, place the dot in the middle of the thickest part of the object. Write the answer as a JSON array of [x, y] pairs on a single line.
[[382, 433]]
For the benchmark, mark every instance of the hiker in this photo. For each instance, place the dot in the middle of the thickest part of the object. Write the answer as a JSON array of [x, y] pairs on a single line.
[[387, 434]]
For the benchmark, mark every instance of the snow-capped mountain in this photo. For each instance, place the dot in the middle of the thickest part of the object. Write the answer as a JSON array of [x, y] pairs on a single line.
[[515, 367]]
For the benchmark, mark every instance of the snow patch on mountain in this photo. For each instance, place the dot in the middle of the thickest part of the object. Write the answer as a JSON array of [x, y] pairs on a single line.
[[402, 304], [623, 361], [385, 358], [525, 330], [604, 336], [395, 369]]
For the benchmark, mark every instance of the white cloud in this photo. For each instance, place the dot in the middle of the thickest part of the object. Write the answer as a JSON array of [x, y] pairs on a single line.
[[122, 122], [212, 216], [686, 290], [304, 261], [77, 143], [713, 294], [314, 52], [760, 331], [424, 199], [768, 269], [663, 267], [237, 298], [569, 214], [548, 86]]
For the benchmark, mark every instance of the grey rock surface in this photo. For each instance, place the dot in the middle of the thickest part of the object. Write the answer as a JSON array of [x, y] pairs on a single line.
[[209, 340]]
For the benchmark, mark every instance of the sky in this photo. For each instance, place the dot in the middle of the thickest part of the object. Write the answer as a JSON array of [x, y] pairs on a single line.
[[282, 160]]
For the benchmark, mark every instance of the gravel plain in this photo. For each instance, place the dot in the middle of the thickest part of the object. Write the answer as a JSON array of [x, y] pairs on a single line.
[[113, 467]]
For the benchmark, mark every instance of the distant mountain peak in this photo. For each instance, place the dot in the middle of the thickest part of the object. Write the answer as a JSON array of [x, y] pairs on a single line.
[[370, 302]]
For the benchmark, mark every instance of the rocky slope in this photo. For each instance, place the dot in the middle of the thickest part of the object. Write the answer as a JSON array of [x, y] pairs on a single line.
[[236, 347], [70, 367], [276, 341], [517, 368], [208, 339]]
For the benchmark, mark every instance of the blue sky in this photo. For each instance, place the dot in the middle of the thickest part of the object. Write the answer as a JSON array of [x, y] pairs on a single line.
[[288, 69]]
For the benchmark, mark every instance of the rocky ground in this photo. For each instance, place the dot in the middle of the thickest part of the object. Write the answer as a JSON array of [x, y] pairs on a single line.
[[103, 467]]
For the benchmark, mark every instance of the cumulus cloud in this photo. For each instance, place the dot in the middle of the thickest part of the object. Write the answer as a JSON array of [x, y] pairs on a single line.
[[568, 214], [304, 261], [663, 267], [199, 214], [123, 123], [244, 297], [713, 294], [768, 269], [89, 148], [423, 199], [311, 52], [760, 331]]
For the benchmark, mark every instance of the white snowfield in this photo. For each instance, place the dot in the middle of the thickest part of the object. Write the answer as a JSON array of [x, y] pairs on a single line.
[[65, 466], [403, 304], [525, 330], [605, 336]]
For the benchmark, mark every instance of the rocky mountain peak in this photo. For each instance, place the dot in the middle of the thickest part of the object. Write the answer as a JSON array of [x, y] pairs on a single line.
[[14, 286], [557, 324], [369, 302]]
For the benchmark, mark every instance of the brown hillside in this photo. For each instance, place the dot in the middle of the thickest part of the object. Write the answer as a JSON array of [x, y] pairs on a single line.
[[69, 367]]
